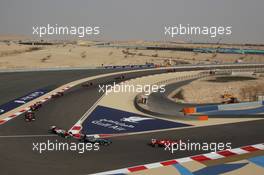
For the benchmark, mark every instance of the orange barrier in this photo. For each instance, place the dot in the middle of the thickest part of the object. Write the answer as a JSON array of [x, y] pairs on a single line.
[[203, 117], [189, 110]]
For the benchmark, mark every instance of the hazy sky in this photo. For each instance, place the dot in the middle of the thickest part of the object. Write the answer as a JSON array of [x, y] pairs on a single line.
[[137, 19]]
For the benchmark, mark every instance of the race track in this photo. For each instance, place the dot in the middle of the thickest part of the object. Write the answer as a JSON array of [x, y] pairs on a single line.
[[17, 156]]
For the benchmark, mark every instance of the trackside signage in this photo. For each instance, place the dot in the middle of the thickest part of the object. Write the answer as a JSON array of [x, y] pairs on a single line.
[[104, 120], [22, 100]]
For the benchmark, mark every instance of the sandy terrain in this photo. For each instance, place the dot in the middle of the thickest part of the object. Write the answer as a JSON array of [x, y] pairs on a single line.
[[7, 49], [13, 37], [88, 55], [69, 56], [209, 91]]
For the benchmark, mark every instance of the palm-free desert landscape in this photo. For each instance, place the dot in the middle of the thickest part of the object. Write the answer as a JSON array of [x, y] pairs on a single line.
[[19, 52]]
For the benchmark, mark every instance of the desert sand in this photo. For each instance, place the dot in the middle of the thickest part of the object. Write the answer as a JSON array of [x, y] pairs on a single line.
[[208, 90], [87, 54]]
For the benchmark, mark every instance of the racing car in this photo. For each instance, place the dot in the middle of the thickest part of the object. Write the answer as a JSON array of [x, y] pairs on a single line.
[[30, 116], [35, 106], [58, 94], [59, 132], [162, 142], [92, 139], [87, 84]]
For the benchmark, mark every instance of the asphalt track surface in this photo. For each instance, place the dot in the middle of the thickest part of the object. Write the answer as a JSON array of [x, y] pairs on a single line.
[[17, 156], [13, 85], [159, 104]]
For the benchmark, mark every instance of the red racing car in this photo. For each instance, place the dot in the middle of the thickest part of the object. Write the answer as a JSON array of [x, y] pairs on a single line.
[[162, 142], [30, 116]]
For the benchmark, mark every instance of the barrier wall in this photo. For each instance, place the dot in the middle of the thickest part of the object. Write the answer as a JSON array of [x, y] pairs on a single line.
[[228, 109], [206, 108], [240, 105], [229, 50]]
